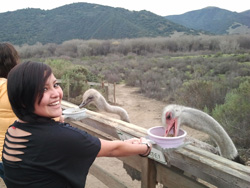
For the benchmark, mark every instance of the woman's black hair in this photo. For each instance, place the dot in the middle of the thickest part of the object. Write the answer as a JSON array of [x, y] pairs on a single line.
[[25, 83]]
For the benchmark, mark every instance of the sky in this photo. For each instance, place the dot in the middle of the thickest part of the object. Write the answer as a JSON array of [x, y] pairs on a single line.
[[159, 7]]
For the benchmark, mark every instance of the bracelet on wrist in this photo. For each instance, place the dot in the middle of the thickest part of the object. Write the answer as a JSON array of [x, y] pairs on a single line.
[[148, 150]]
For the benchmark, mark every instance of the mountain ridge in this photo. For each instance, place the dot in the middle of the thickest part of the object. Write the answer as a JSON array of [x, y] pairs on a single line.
[[92, 21], [214, 20], [83, 21]]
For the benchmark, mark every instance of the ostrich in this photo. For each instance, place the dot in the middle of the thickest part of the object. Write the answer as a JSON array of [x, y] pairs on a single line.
[[174, 116], [92, 96]]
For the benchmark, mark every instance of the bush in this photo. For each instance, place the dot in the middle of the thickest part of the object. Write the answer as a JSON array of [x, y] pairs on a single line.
[[234, 115], [74, 82], [201, 94], [59, 66]]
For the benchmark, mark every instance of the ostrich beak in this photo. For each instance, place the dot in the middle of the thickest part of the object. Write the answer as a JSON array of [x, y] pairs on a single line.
[[171, 124], [84, 103]]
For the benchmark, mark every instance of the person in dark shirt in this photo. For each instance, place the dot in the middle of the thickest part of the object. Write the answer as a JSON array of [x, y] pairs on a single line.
[[39, 152]]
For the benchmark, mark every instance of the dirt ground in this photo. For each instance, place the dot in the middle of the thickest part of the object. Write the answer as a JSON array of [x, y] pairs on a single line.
[[143, 112]]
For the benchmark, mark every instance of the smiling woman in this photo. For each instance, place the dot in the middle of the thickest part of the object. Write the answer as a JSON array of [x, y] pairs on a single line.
[[50, 104], [40, 152]]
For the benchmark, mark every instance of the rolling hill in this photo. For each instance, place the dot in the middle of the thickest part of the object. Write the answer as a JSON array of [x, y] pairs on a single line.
[[83, 21], [215, 20]]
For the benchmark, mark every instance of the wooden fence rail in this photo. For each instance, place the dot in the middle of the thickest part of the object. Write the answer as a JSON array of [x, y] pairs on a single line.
[[177, 167]]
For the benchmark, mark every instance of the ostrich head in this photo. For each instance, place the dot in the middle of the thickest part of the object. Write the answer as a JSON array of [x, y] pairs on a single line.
[[90, 96], [170, 121]]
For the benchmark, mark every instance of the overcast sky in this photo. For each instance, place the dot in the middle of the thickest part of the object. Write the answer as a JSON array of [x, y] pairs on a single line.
[[159, 7]]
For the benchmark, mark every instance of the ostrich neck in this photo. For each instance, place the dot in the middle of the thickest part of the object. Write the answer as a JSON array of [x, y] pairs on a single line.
[[103, 105], [201, 121]]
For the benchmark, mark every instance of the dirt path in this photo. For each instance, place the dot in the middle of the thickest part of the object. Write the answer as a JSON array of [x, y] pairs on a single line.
[[142, 111]]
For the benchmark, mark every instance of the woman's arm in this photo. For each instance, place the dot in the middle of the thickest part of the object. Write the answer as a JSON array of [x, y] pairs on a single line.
[[119, 148]]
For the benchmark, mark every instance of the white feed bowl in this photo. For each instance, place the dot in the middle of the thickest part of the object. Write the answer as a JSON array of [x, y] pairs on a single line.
[[156, 134], [75, 113]]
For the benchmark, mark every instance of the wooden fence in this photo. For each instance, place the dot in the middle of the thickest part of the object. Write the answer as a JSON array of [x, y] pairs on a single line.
[[171, 167]]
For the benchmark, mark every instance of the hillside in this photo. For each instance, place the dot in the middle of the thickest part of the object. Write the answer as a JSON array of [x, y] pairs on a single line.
[[246, 13], [214, 20], [83, 21]]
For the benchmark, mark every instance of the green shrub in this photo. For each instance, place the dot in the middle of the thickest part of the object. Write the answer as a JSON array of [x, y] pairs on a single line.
[[234, 115], [74, 81], [59, 66], [200, 94]]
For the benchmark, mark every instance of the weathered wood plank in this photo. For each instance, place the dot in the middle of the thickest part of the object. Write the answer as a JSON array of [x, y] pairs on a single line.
[[105, 177], [111, 125], [91, 130], [173, 177], [133, 161], [66, 104], [214, 169]]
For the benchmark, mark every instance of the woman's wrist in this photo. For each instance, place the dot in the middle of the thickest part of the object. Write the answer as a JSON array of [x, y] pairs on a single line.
[[149, 146]]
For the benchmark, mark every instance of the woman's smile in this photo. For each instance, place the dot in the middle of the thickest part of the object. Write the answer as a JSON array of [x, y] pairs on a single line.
[[54, 103], [50, 104]]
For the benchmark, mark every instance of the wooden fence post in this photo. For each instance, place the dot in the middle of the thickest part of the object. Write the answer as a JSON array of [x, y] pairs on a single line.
[[68, 88], [114, 94], [148, 173]]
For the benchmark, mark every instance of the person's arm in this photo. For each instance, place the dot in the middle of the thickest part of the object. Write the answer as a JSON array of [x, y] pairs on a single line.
[[129, 147]]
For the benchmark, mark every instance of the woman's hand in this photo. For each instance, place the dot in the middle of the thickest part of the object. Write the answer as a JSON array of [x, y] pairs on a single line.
[[149, 147], [133, 141]]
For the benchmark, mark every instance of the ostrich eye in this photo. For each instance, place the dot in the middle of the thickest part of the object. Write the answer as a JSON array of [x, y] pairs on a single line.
[[90, 97]]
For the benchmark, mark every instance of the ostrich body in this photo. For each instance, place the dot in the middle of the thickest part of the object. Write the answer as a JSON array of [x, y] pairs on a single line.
[[174, 116], [92, 96]]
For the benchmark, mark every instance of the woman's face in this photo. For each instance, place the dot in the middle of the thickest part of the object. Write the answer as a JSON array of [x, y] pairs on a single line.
[[50, 105]]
